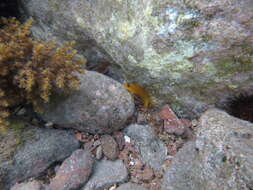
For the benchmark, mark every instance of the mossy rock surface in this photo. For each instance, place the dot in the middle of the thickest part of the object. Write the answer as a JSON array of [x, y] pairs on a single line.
[[28, 151], [190, 54], [11, 139]]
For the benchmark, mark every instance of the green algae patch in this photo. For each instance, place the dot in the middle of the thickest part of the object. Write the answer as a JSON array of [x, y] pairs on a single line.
[[126, 30], [15, 137], [8, 145], [17, 125], [231, 66], [173, 63], [11, 140]]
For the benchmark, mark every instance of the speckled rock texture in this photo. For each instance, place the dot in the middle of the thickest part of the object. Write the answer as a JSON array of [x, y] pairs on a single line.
[[74, 171], [28, 152], [101, 105], [152, 150], [221, 157], [130, 186], [105, 174], [181, 51], [109, 146], [33, 185]]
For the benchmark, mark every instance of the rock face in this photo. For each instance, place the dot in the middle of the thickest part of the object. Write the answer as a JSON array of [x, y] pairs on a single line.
[[130, 186], [182, 51], [31, 151], [105, 174], [221, 157], [101, 105], [74, 171], [153, 151]]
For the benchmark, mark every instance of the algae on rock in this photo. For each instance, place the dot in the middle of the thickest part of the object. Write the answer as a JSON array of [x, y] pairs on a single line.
[[181, 51]]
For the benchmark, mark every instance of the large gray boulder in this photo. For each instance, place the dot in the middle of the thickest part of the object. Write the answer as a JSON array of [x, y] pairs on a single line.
[[221, 157], [101, 105], [27, 152], [181, 51]]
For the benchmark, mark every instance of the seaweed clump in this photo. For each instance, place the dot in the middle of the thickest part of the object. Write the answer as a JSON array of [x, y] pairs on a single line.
[[30, 70]]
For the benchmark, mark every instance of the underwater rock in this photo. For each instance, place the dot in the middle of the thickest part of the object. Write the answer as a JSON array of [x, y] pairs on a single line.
[[180, 51], [33, 185], [130, 186], [28, 152], [105, 174], [101, 105], [221, 157], [74, 171], [152, 150], [110, 147]]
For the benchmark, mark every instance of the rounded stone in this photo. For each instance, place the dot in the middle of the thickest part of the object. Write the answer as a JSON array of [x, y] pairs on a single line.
[[74, 171], [109, 147], [101, 105]]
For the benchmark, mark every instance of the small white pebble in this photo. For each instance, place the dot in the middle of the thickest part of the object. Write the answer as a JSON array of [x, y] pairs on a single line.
[[127, 139], [49, 124], [113, 187], [194, 123], [169, 157], [131, 163]]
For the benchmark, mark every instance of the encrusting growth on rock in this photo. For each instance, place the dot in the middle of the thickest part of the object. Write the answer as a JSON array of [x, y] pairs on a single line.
[[30, 70]]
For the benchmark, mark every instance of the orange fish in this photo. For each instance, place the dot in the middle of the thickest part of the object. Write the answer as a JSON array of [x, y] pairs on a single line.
[[139, 91]]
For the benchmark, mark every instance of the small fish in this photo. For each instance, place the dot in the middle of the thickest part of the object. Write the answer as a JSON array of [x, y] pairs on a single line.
[[139, 91]]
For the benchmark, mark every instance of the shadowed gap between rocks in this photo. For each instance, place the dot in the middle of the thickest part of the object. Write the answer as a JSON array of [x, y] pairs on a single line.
[[9, 8], [240, 106]]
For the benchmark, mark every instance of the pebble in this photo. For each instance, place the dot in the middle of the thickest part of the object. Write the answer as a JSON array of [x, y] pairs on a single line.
[[127, 139], [99, 153], [105, 174], [109, 147], [74, 171], [172, 124]]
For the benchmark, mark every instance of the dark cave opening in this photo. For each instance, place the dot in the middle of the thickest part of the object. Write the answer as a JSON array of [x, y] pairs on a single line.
[[241, 107], [9, 8]]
